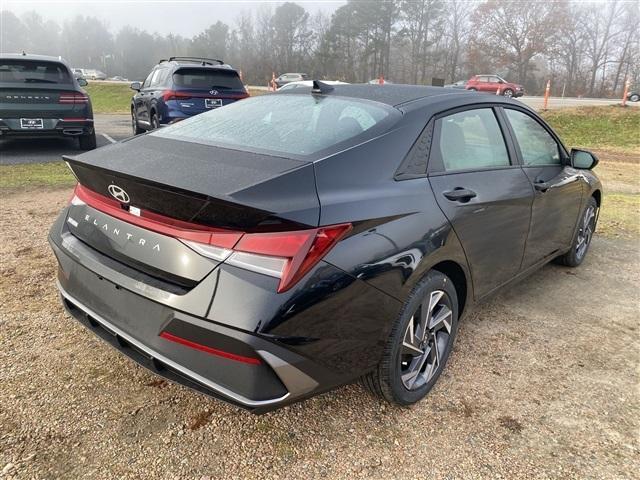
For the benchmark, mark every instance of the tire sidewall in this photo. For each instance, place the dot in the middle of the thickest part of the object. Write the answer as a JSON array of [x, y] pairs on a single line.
[[433, 281], [572, 258], [504, 93]]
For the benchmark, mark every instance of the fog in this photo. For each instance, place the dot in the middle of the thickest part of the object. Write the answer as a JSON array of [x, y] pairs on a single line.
[[180, 17]]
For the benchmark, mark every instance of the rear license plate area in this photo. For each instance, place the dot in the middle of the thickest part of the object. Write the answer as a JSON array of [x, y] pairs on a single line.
[[31, 123], [212, 102]]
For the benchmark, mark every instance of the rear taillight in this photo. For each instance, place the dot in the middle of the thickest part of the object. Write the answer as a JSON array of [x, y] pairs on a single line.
[[284, 255], [173, 95], [72, 98]]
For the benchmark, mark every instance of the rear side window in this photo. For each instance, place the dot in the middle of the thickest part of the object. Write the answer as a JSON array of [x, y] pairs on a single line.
[[207, 79], [536, 144], [472, 140], [297, 125], [32, 72]]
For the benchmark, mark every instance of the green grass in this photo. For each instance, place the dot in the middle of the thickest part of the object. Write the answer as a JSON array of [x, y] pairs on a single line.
[[116, 97], [110, 97], [611, 128], [54, 174]]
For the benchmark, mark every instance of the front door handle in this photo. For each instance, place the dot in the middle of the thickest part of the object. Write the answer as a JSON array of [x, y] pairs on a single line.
[[542, 186], [460, 194]]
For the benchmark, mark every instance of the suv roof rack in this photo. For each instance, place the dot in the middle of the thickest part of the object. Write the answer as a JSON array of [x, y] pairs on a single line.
[[202, 60]]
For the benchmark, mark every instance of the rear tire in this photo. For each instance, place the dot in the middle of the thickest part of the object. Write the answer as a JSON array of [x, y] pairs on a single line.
[[419, 344], [155, 124], [583, 236], [87, 142], [134, 123], [634, 98], [472, 89]]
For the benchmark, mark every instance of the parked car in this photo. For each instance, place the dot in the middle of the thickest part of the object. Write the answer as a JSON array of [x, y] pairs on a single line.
[[40, 97], [493, 84], [290, 77], [308, 84], [118, 78], [460, 84], [633, 96], [181, 87], [278, 247]]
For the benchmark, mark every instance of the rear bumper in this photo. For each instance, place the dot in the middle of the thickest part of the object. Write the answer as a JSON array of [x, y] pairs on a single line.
[[52, 127], [134, 326]]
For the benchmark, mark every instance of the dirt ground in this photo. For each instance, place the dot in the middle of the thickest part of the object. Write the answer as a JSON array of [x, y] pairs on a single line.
[[543, 383]]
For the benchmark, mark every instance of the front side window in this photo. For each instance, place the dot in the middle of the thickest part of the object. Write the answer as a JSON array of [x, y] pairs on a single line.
[[298, 125], [537, 146], [472, 140]]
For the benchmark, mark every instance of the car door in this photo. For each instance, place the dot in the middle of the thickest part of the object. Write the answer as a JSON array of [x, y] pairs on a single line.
[[480, 187], [558, 187], [142, 97], [483, 83]]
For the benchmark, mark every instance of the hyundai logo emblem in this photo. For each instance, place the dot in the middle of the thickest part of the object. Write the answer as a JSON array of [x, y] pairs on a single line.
[[213, 92], [118, 193]]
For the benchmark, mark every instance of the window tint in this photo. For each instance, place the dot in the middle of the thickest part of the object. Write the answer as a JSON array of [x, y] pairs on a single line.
[[148, 79], [158, 77], [207, 78], [292, 124], [31, 71], [536, 144], [472, 140]]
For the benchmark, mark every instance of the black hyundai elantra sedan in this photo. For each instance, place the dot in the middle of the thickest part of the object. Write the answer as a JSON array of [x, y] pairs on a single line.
[[284, 245]]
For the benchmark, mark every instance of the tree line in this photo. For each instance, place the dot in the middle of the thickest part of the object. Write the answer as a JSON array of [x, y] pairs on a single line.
[[584, 48]]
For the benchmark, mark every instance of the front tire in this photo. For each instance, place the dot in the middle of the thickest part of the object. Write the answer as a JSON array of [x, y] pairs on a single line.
[[419, 345], [583, 236], [507, 93], [87, 142], [634, 98], [134, 123]]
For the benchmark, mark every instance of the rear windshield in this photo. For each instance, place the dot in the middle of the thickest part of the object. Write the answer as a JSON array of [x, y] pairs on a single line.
[[297, 125], [207, 78], [31, 71]]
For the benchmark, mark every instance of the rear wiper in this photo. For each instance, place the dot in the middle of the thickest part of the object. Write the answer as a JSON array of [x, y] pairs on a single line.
[[38, 80]]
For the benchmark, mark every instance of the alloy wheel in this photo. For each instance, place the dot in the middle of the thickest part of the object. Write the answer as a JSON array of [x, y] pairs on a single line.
[[508, 93], [586, 231], [426, 340]]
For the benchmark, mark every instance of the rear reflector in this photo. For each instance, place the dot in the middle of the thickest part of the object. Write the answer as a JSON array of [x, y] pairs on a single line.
[[213, 351], [284, 255]]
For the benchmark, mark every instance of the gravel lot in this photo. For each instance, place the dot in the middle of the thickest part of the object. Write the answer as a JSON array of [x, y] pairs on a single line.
[[543, 383]]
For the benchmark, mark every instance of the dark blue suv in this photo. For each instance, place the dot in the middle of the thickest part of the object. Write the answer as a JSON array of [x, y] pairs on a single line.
[[182, 87]]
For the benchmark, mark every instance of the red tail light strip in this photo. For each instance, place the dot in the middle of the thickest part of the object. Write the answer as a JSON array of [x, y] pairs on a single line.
[[284, 255], [160, 223], [176, 95], [209, 350], [72, 98]]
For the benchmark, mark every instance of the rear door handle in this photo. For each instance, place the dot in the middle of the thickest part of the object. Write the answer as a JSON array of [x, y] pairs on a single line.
[[460, 194]]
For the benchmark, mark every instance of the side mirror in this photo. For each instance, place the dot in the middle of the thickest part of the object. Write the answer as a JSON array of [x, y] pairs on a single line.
[[82, 82], [136, 86], [583, 159]]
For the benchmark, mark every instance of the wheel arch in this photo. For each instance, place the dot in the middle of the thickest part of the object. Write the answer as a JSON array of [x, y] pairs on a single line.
[[458, 277], [597, 195]]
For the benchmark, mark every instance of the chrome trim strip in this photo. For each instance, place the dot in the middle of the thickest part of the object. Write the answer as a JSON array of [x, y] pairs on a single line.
[[152, 353]]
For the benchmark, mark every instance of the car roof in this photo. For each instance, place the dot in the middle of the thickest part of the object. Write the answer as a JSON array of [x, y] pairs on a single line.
[[29, 56], [393, 95]]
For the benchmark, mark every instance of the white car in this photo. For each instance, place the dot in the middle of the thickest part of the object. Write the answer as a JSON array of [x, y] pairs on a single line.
[[308, 83]]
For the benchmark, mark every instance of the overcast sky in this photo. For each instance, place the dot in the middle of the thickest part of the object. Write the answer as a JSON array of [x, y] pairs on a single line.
[[184, 17]]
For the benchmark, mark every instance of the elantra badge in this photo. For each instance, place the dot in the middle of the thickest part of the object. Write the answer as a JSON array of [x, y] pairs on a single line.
[[118, 193]]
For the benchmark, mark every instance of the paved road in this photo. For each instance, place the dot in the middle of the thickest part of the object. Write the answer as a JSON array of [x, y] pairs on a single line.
[[112, 128]]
